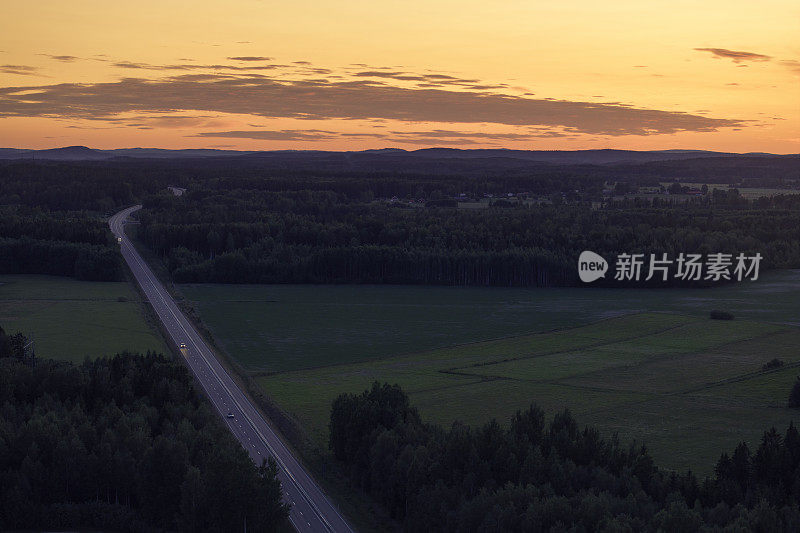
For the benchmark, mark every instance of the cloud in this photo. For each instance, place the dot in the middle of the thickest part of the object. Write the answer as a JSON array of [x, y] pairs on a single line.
[[190, 66], [250, 58], [280, 135], [792, 64], [433, 141], [426, 137], [450, 134], [742, 57], [735, 55], [430, 78], [260, 95], [21, 70], [63, 59]]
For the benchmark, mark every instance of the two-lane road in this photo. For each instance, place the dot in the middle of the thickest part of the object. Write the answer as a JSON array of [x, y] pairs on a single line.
[[311, 509]]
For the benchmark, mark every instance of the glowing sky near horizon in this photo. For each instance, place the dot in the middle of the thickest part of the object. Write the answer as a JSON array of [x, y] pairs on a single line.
[[259, 75]]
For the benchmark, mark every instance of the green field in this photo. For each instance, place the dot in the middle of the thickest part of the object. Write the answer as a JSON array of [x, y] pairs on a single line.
[[276, 328], [71, 319], [647, 364], [689, 387]]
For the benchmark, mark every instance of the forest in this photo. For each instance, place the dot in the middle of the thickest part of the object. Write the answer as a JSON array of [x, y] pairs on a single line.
[[538, 475], [317, 217], [253, 236], [60, 243], [125, 444]]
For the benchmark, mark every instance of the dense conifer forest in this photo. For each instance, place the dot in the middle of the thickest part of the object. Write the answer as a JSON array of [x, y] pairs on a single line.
[[540, 475], [122, 444], [317, 218]]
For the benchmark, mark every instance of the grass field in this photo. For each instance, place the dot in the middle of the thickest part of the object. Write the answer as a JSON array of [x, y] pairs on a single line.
[[689, 387], [275, 328], [647, 364], [71, 319]]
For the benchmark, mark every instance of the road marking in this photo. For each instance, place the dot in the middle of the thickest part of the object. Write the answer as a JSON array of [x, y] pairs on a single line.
[[150, 277]]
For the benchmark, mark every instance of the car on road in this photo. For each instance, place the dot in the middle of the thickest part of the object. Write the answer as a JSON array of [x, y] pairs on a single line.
[[229, 415], [183, 346]]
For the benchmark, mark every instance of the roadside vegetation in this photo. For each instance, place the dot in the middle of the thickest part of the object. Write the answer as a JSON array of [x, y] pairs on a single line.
[[125, 444]]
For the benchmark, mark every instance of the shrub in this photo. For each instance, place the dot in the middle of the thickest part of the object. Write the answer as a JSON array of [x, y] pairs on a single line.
[[716, 314], [773, 364], [794, 396]]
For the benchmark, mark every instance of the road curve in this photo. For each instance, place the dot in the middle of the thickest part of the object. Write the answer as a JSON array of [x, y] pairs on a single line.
[[311, 509]]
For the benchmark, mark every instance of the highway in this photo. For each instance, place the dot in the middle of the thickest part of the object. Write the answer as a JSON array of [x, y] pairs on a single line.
[[311, 509]]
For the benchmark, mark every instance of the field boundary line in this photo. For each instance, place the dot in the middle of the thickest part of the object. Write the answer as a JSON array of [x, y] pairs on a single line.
[[740, 378], [559, 351]]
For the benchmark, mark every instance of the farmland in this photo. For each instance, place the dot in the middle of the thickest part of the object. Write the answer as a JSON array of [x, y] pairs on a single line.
[[71, 319], [277, 328], [648, 365], [688, 387]]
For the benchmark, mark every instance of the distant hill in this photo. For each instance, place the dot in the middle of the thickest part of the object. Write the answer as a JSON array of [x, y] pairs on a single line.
[[68, 153], [558, 157], [83, 153]]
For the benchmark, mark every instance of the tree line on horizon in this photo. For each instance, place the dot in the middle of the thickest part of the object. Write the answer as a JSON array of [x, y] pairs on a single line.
[[251, 236], [258, 221]]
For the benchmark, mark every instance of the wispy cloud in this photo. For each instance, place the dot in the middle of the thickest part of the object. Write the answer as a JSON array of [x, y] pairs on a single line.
[[191, 66], [792, 64], [21, 70], [427, 80], [737, 56], [450, 134], [250, 58], [279, 135], [62, 58]]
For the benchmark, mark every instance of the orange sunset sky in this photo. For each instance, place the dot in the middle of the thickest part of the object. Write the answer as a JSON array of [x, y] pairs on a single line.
[[346, 75]]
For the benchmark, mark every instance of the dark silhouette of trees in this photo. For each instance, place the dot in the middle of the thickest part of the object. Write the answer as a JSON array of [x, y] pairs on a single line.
[[794, 395], [535, 475], [12, 345], [124, 444], [773, 364], [76, 244], [254, 236], [385, 218]]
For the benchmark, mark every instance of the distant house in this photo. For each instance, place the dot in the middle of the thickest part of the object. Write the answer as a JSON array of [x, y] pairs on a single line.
[[650, 190], [177, 191]]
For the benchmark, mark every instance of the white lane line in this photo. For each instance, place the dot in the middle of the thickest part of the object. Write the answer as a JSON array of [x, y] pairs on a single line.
[[147, 274]]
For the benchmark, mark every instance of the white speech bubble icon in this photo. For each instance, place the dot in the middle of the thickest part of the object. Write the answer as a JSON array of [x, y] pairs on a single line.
[[591, 266]]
